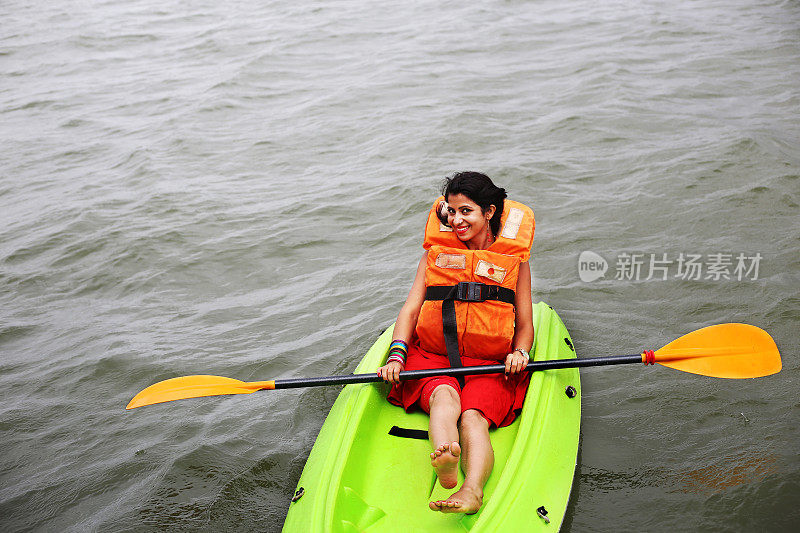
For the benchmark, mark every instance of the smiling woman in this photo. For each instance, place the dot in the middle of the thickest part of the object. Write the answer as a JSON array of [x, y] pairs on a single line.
[[470, 222], [469, 305], [473, 208]]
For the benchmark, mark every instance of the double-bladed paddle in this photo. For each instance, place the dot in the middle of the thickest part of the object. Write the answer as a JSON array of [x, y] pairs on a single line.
[[734, 351]]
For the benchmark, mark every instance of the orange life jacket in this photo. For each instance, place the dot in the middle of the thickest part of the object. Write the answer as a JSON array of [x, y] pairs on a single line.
[[480, 285]]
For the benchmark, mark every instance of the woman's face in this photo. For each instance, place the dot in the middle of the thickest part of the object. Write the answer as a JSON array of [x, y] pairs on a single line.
[[467, 219]]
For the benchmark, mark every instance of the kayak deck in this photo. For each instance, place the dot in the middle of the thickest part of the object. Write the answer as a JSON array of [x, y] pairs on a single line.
[[359, 477]]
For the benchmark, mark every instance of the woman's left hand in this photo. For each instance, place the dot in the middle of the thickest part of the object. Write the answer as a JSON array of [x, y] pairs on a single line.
[[516, 362]]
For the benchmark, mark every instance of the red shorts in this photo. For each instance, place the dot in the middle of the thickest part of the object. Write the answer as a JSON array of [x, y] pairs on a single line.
[[499, 400]]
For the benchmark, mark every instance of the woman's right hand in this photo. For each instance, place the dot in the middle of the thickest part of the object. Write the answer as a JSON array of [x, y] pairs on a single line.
[[391, 372]]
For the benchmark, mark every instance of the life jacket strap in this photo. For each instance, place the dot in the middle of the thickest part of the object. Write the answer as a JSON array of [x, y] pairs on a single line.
[[450, 331], [466, 291], [470, 291]]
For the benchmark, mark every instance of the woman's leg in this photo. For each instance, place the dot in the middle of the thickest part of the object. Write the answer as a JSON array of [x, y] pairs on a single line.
[[445, 408], [478, 464]]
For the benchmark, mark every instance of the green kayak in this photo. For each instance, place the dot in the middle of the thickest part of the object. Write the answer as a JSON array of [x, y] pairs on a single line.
[[363, 475]]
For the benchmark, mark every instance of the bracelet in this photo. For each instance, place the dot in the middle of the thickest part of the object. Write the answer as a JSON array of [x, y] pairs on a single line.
[[397, 358], [398, 351], [523, 352], [398, 343]]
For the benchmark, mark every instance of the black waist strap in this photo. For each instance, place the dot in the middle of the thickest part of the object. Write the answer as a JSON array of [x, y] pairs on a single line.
[[466, 291], [470, 291]]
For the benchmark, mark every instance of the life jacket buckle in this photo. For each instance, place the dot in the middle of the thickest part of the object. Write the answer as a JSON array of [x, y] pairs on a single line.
[[472, 291]]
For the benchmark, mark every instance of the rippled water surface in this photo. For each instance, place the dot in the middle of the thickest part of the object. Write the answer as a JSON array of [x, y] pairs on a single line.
[[238, 188]]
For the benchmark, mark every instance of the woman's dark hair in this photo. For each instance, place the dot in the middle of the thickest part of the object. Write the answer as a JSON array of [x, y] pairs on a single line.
[[480, 189]]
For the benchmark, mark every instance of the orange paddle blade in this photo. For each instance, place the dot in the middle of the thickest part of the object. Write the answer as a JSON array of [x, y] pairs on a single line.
[[723, 351], [194, 387]]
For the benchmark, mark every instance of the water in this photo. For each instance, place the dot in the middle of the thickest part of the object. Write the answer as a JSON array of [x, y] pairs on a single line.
[[239, 189]]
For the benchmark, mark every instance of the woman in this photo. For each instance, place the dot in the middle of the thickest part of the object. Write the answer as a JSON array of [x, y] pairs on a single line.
[[470, 304]]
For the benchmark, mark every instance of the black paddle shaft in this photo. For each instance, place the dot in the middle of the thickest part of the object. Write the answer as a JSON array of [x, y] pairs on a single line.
[[460, 371]]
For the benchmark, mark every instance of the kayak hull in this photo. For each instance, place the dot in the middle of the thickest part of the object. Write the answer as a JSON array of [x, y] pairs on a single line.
[[359, 477]]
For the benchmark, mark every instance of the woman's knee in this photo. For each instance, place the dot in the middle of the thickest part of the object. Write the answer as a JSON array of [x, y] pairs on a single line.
[[444, 394], [474, 419]]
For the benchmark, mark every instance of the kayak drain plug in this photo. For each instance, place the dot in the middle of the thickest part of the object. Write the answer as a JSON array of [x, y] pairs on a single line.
[[542, 512], [298, 494]]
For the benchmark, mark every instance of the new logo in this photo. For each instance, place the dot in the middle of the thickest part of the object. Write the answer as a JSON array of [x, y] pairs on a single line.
[[591, 266]]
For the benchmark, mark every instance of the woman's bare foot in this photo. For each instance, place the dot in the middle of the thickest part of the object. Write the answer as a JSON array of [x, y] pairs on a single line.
[[465, 500], [444, 460]]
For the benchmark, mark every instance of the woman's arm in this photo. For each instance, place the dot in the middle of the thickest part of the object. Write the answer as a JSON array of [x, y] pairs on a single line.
[[407, 319], [523, 323]]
